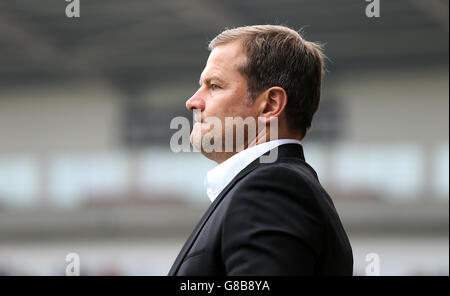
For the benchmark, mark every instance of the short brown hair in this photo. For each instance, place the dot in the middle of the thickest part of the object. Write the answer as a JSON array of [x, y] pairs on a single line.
[[279, 56]]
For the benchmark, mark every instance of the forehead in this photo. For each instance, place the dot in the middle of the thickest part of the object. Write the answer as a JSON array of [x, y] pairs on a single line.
[[224, 60]]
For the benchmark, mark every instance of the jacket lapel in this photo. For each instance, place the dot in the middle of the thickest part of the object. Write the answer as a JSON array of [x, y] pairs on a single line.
[[287, 150], [212, 207]]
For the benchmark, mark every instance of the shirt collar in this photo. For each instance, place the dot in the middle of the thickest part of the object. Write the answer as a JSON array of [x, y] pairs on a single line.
[[220, 176]]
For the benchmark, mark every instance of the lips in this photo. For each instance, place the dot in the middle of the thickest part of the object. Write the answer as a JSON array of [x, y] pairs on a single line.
[[197, 115], [198, 118]]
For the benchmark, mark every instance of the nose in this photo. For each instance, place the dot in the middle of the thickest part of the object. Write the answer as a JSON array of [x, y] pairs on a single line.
[[195, 102]]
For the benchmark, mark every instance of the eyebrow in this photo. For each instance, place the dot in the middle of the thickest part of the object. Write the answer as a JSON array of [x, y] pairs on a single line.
[[208, 79]]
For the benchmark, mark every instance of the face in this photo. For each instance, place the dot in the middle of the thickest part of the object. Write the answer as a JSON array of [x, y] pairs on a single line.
[[222, 92]]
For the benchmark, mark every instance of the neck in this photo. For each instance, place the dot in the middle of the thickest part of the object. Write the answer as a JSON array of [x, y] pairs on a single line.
[[260, 138]]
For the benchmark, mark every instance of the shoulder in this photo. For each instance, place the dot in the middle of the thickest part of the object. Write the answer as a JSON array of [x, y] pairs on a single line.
[[281, 174], [282, 186], [277, 199]]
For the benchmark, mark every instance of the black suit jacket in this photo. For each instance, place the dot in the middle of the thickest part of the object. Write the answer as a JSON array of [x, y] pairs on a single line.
[[271, 219]]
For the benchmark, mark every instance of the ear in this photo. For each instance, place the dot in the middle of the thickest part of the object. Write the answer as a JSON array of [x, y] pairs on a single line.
[[274, 103]]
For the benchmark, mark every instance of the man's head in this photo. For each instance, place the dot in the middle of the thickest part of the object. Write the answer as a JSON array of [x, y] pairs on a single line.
[[261, 71]]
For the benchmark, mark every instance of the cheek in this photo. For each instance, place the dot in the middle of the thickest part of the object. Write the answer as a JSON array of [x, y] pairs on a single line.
[[240, 110], [240, 104], [231, 103]]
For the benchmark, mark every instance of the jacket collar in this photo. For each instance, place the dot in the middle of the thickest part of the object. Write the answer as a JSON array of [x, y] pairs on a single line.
[[220, 176], [284, 151]]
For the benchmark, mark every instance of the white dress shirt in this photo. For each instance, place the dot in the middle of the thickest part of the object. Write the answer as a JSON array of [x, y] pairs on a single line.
[[220, 176]]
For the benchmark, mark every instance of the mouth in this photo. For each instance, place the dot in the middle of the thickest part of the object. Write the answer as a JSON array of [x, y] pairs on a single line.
[[197, 117]]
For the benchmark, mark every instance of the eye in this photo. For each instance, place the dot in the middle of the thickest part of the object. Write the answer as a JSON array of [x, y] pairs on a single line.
[[215, 86]]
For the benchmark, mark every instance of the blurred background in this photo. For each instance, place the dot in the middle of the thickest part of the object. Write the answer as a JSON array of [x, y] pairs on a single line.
[[86, 104]]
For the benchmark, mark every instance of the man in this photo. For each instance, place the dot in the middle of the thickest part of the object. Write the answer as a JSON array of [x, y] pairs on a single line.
[[265, 218]]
